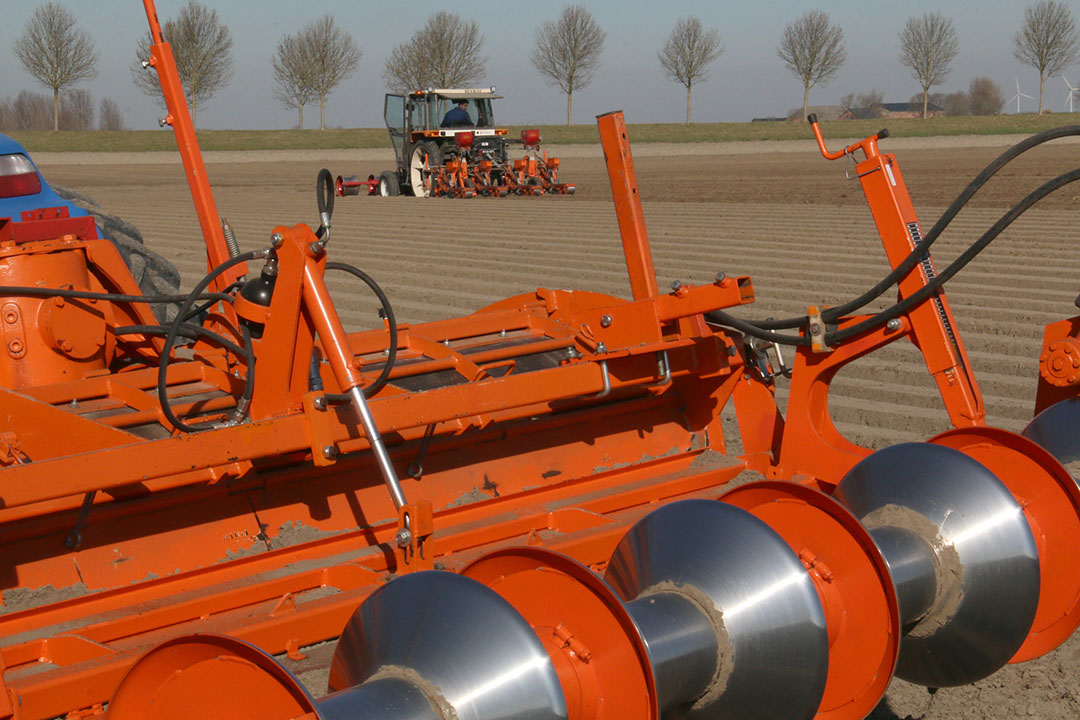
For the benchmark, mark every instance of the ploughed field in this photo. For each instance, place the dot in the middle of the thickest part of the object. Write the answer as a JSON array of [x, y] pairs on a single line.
[[788, 219]]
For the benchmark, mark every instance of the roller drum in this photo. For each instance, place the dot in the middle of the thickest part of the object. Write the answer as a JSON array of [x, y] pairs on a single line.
[[766, 616], [458, 642], [985, 566]]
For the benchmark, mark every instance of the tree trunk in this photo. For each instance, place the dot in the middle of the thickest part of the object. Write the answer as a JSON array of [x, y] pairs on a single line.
[[56, 109], [1042, 88], [322, 112], [301, 106], [194, 113], [925, 101], [569, 106], [688, 104], [805, 100]]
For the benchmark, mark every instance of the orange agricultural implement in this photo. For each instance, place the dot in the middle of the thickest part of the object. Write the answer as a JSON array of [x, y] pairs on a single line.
[[527, 512]]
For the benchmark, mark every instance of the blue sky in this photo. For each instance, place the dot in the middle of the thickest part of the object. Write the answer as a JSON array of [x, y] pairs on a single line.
[[748, 80]]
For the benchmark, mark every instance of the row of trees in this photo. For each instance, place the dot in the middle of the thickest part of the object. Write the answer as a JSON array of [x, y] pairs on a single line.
[[77, 111], [813, 49], [447, 52]]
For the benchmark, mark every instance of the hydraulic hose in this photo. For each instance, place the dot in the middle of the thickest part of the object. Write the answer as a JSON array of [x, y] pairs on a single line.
[[174, 330], [916, 255], [759, 330], [112, 297], [388, 311]]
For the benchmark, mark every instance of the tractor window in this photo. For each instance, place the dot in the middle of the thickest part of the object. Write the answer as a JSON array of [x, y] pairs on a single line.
[[394, 113], [480, 111]]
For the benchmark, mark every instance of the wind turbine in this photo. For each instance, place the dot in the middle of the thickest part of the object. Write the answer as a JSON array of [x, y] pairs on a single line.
[[1019, 95], [1072, 92]]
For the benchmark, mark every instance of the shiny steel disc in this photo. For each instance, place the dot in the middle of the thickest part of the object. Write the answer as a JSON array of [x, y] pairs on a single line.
[[946, 523], [773, 625], [1057, 428], [471, 651]]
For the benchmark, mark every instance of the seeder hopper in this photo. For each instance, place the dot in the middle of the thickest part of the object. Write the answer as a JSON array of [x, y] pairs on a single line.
[[527, 512]]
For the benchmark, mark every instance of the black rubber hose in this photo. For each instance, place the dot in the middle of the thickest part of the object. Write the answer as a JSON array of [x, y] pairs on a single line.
[[174, 329], [112, 297], [324, 198], [391, 357], [188, 330], [838, 336], [915, 257], [957, 265]]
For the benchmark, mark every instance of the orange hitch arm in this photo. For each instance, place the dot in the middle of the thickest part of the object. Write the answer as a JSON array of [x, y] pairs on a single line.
[[161, 59], [867, 145]]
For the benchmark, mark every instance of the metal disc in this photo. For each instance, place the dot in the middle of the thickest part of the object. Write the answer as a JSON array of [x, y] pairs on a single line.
[[771, 613], [987, 563], [1057, 428], [474, 652]]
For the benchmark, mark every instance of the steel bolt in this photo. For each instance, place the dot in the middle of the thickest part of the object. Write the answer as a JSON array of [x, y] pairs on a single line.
[[319, 403], [277, 239], [721, 276], [675, 284], [145, 64], [330, 452], [605, 321], [16, 346], [11, 317], [815, 328], [732, 351], [601, 348], [403, 537], [893, 324]]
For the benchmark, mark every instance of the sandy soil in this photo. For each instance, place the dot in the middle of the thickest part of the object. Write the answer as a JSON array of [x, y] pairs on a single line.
[[784, 216]]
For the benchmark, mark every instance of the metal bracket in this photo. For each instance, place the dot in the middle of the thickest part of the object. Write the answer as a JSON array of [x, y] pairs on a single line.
[[415, 527], [815, 327], [321, 419]]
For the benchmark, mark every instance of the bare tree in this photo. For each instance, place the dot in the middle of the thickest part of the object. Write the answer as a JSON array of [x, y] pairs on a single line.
[[687, 54], [332, 56], [77, 110], [813, 49], [292, 82], [109, 116], [444, 53], [928, 45], [863, 106], [56, 52], [567, 51], [7, 114], [202, 47], [1047, 41]]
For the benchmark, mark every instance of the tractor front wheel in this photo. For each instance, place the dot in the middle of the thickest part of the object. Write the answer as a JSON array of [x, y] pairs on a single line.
[[388, 184], [423, 161]]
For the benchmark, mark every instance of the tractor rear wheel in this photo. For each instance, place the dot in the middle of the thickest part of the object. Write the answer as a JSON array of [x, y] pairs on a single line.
[[388, 184], [425, 157]]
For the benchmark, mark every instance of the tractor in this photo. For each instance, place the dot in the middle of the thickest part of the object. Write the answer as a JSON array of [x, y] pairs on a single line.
[[469, 157]]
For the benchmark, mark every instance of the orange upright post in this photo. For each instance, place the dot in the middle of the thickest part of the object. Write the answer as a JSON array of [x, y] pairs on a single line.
[[179, 119], [624, 190]]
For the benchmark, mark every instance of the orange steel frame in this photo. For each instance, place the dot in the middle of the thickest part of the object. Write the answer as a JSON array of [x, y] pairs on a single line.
[[552, 419]]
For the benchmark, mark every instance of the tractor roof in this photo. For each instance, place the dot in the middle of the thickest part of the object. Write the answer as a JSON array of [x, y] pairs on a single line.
[[456, 93]]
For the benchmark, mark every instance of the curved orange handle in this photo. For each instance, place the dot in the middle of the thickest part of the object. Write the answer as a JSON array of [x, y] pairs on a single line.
[[867, 145]]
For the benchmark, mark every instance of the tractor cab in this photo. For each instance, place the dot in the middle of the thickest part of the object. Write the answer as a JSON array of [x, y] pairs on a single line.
[[420, 139]]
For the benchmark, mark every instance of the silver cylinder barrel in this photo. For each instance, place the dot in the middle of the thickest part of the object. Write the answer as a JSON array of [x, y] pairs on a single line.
[[766, 616], [986, 565], [682, 644], [911, 563], [454, 639]]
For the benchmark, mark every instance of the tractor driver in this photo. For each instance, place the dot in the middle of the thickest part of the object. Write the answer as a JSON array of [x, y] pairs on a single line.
[[458, 116]]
